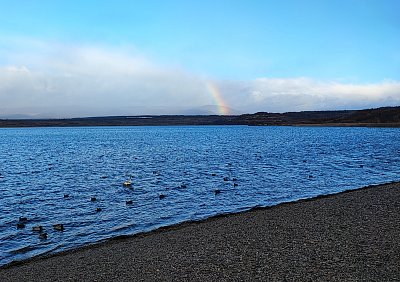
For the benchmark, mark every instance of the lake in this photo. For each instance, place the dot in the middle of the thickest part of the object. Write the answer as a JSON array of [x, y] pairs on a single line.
[[178, 173]]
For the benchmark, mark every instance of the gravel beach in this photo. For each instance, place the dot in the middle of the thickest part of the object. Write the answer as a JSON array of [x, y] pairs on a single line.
[[350, 236]]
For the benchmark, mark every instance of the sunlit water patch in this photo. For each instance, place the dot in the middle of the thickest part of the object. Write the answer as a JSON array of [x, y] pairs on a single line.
[[50, 175]]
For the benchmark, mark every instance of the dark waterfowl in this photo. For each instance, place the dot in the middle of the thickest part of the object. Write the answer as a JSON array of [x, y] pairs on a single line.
[[93, 199], [37, 228], [58, 227], [217, 192], [43, 236], [20, 225], [23, 219], [235, 184], [129, 202], [226, 179], [128, 183], [66, 196], [162, 196], [98, 209]]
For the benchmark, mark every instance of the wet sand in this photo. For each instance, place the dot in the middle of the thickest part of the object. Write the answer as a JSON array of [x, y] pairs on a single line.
[[350, 236]]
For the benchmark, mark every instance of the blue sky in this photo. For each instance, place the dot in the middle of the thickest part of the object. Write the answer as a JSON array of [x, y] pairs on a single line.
[[350, 42]]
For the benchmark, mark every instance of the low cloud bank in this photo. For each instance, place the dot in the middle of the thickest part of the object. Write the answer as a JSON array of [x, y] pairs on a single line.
[[302, 94], [50, 80]]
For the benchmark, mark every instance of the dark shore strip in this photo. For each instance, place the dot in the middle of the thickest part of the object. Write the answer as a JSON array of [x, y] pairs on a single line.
[[380, 117], [350, 236]]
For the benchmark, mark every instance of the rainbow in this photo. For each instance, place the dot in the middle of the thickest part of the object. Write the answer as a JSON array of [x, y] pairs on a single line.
[[219, 101]]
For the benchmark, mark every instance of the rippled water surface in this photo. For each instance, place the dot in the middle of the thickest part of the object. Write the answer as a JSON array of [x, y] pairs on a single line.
[[261, 165]]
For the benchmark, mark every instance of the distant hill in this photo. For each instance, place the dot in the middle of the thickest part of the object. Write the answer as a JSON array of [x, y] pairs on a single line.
[[76, 112], [380, 116], [385, 117]]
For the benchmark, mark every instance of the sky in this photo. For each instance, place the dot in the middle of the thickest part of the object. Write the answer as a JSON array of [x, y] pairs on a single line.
[[89, 58]]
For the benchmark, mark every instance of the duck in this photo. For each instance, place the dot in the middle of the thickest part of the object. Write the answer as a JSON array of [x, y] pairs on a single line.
[[37, 228], [43, 236], [128, 183], [58, 227], [23, 219]]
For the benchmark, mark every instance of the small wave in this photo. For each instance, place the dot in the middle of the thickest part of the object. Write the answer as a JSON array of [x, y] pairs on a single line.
[[8, 237], [23, 250], [123, 227]]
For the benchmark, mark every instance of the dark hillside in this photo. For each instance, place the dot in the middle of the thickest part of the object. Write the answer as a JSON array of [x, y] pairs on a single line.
[[380, 115], [371, 117], [388, 116]]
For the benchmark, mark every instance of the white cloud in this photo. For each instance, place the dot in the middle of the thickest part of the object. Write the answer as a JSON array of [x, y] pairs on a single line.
[[300, 94], [94, 81], [65, 80]]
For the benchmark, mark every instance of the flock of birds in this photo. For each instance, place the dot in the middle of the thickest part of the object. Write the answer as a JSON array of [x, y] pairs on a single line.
[[23, 221], [38, 228]]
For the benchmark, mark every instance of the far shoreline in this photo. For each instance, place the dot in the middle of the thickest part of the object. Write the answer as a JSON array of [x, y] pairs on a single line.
[[343, 125], [380, 117]]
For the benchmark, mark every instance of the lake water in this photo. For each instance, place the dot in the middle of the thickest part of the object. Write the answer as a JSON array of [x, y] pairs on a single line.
[[262, 166]]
